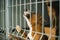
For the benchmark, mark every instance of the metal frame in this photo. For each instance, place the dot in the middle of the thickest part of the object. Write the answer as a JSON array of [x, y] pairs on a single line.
[[6, 16]]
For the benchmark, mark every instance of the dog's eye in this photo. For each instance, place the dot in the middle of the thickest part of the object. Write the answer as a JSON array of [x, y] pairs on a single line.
[[28, 16]]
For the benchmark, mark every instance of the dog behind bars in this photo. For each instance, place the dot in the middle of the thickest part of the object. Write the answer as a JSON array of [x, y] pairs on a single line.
[[34, 22], [35, 25]]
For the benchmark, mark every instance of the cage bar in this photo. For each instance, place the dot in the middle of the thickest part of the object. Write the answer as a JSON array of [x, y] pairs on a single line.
[[23, 13], [3, 15], [50, 19], [42, 18], [16, 12], [12, 16], [20, 13], [7, 20]]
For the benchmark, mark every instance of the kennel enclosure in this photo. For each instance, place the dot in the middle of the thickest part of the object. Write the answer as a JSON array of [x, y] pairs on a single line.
[[11, 14]]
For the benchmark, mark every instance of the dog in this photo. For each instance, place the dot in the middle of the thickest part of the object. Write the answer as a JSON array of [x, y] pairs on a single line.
[[31, 22], [53, 18], [34, 23]]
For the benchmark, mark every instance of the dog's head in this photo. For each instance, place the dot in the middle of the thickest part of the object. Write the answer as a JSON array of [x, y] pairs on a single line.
[[33, 18]]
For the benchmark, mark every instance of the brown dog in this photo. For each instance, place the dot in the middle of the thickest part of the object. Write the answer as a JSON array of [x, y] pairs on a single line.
[[35, 25], [34, 22], [53, 28]]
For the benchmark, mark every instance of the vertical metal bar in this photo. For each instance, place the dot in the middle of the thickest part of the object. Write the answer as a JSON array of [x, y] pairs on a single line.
[[36, 17], [24, 5], [7, 20], [3, 15], [50, 18], [30, 7], [16, 12], [42, 16], [20, 13], [12, 16], [42, 19], [24, 10], [30, 10]]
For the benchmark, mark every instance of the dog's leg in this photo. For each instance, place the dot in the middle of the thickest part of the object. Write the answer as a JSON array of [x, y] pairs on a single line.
[[20, 31]]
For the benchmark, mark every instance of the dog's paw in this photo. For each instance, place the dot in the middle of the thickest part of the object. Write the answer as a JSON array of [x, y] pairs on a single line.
[[18, 28]]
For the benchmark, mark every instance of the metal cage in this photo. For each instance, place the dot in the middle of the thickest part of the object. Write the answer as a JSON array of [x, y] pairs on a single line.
[[11, 14]]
